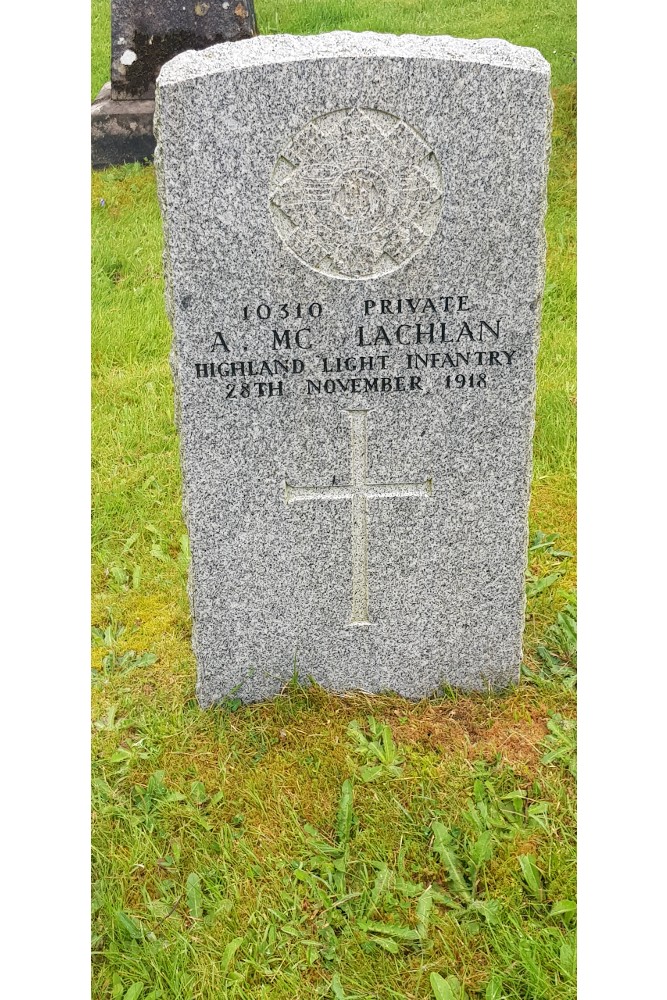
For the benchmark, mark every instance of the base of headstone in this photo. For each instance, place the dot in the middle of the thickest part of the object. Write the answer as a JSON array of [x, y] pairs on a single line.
[[120, 131]]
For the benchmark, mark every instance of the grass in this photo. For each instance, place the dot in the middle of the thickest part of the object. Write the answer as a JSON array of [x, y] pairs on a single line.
[[100, 49], [321, 846]]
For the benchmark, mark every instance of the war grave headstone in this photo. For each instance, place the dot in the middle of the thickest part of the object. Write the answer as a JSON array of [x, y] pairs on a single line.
[[144, 35], [355, 255]]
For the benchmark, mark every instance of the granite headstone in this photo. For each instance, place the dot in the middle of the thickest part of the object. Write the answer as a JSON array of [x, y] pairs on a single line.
[[144, 35], [355, 254]]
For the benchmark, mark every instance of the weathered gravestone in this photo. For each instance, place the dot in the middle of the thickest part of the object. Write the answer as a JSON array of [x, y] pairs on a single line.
[[144, 35], [355, 251]]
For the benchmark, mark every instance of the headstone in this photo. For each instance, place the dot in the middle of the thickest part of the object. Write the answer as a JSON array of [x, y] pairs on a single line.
[[355, 254], [144, 35]]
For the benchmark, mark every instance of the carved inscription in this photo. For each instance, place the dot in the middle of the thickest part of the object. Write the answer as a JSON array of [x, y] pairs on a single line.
[[418, 345], [356, 193]]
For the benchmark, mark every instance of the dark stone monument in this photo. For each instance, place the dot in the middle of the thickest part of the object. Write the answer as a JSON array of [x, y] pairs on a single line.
[[144, 35]]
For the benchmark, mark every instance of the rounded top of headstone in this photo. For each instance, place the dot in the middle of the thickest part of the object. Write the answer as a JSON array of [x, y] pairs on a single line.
[[266, 49]]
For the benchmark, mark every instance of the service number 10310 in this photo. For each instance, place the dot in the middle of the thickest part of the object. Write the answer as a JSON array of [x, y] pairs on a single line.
[[283, 311]]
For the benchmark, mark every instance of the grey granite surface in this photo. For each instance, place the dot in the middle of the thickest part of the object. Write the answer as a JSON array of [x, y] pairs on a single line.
[[354, 252]]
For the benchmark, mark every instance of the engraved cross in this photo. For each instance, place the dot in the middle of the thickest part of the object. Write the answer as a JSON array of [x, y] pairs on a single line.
[[358, 491]]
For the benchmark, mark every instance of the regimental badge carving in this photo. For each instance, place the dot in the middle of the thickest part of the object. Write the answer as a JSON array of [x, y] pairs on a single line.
[[356, 193]]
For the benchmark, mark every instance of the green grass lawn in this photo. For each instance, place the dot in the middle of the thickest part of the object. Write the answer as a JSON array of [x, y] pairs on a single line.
[[349, 847]]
